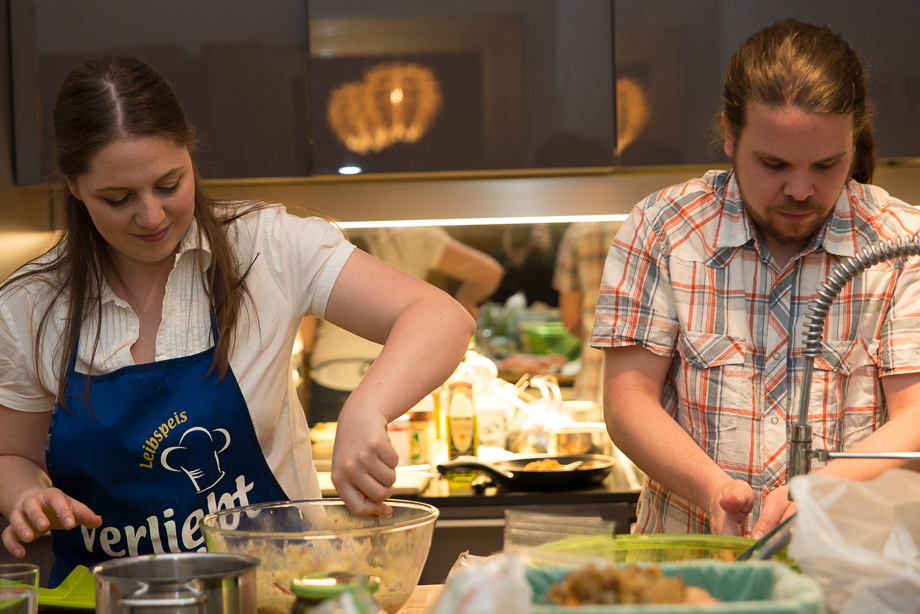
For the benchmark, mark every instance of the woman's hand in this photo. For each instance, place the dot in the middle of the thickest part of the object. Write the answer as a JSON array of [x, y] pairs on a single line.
[[363, 461], [424, 333], [41, 512], [730, 507], [28, 499]]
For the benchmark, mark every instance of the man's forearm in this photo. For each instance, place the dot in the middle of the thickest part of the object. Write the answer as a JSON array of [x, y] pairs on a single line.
[[900, 434], [643, 430], [658, 445]]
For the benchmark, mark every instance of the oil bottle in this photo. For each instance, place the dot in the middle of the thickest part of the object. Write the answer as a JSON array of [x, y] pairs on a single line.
[[461, 436]]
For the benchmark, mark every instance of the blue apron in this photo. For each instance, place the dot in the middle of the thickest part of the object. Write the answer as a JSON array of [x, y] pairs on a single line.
[[165, 444]]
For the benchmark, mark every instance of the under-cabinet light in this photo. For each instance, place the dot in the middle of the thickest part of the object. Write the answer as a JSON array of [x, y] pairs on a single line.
[[484, 221]]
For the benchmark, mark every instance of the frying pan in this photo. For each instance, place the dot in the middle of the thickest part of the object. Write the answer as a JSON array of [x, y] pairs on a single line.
[[511, 472]]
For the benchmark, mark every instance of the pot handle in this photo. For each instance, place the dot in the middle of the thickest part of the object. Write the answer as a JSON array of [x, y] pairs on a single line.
[[137, 600], [471, 462]]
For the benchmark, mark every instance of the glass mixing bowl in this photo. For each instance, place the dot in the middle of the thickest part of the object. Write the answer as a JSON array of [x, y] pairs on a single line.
[[296, 538]]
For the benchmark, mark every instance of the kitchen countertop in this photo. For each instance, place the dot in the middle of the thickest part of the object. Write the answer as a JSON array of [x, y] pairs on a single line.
[[436, 490], [422, 599], [453, 501], [616, 488], [473, 522]]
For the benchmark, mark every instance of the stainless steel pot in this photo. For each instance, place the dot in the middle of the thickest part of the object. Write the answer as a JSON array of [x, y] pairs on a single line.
[[190, 583], [579, 438]]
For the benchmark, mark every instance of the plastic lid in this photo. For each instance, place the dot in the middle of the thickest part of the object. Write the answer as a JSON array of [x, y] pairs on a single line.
[[325, 585], [400, 422], [419, 413]]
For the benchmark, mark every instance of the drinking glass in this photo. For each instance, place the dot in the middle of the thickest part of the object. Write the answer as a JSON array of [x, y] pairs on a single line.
[[19, 588]]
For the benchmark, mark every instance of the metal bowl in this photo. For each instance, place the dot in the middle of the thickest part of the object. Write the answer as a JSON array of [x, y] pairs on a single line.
[[579, 438], [296, 538], [184, 583]]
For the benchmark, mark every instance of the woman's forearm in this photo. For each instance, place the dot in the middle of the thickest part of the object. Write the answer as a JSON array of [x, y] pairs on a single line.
[[19, 477], [22, 455], [424, 347]]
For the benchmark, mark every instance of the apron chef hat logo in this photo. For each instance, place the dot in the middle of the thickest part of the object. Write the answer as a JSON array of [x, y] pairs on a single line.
[[196, 455]]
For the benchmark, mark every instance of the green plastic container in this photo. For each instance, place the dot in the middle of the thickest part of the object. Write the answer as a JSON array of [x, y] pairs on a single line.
[[749, 587], [551, 338], [655, 548]]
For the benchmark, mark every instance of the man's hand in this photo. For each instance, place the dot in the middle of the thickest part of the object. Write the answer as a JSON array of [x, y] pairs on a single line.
[[776, 508], [42, 511], [729, 509]]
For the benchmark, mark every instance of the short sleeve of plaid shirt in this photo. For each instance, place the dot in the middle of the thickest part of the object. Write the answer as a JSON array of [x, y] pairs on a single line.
[[634, 304], [686, 278]]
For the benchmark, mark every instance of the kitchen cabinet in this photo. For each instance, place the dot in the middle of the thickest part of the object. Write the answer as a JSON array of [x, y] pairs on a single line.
[[675, 52], [293, 88], [511, 84]]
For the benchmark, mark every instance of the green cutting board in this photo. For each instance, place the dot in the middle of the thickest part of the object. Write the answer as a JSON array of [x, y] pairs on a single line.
[[77, 591]]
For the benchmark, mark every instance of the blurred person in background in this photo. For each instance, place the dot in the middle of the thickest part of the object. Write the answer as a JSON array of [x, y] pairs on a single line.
[[579, 267], [527, 255], [338, 360]]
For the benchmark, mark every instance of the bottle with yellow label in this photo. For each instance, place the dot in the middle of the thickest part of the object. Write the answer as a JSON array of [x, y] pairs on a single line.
[[461, 436]]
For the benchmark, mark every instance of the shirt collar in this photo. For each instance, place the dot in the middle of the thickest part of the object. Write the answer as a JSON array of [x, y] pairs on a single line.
[[837, 236], [191, 242], [190, 246]]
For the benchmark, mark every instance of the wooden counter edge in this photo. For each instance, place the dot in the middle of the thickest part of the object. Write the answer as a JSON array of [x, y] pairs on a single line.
[[422, 599]]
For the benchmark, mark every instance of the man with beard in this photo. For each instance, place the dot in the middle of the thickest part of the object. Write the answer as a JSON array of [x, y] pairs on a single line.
[[703, 301]]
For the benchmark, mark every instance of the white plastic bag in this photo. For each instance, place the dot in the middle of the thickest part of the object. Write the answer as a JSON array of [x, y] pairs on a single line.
[[485, 585], [859, 540]]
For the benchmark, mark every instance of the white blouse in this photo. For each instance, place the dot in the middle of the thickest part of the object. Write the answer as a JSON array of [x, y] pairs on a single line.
[[295, 264]]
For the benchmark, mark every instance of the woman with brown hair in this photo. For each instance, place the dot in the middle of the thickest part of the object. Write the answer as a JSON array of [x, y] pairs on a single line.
[[145, 359]]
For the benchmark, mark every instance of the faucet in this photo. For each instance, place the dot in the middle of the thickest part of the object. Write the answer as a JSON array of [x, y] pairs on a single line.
[[800, 451]]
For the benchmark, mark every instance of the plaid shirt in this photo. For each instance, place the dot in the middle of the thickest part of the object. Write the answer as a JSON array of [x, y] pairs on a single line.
[[687, 277], [579, 266]]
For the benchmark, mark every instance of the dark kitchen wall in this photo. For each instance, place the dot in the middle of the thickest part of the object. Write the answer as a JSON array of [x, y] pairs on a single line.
[[24, 220], [525, 83], [24, 225]]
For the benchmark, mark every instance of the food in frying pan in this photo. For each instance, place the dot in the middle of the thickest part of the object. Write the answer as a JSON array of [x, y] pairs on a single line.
[[551, 464], [544, 464], [631, 584]]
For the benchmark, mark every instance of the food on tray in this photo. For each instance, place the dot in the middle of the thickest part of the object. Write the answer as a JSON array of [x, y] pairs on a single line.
[[532, 363], [631, 584], [545, 464]]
